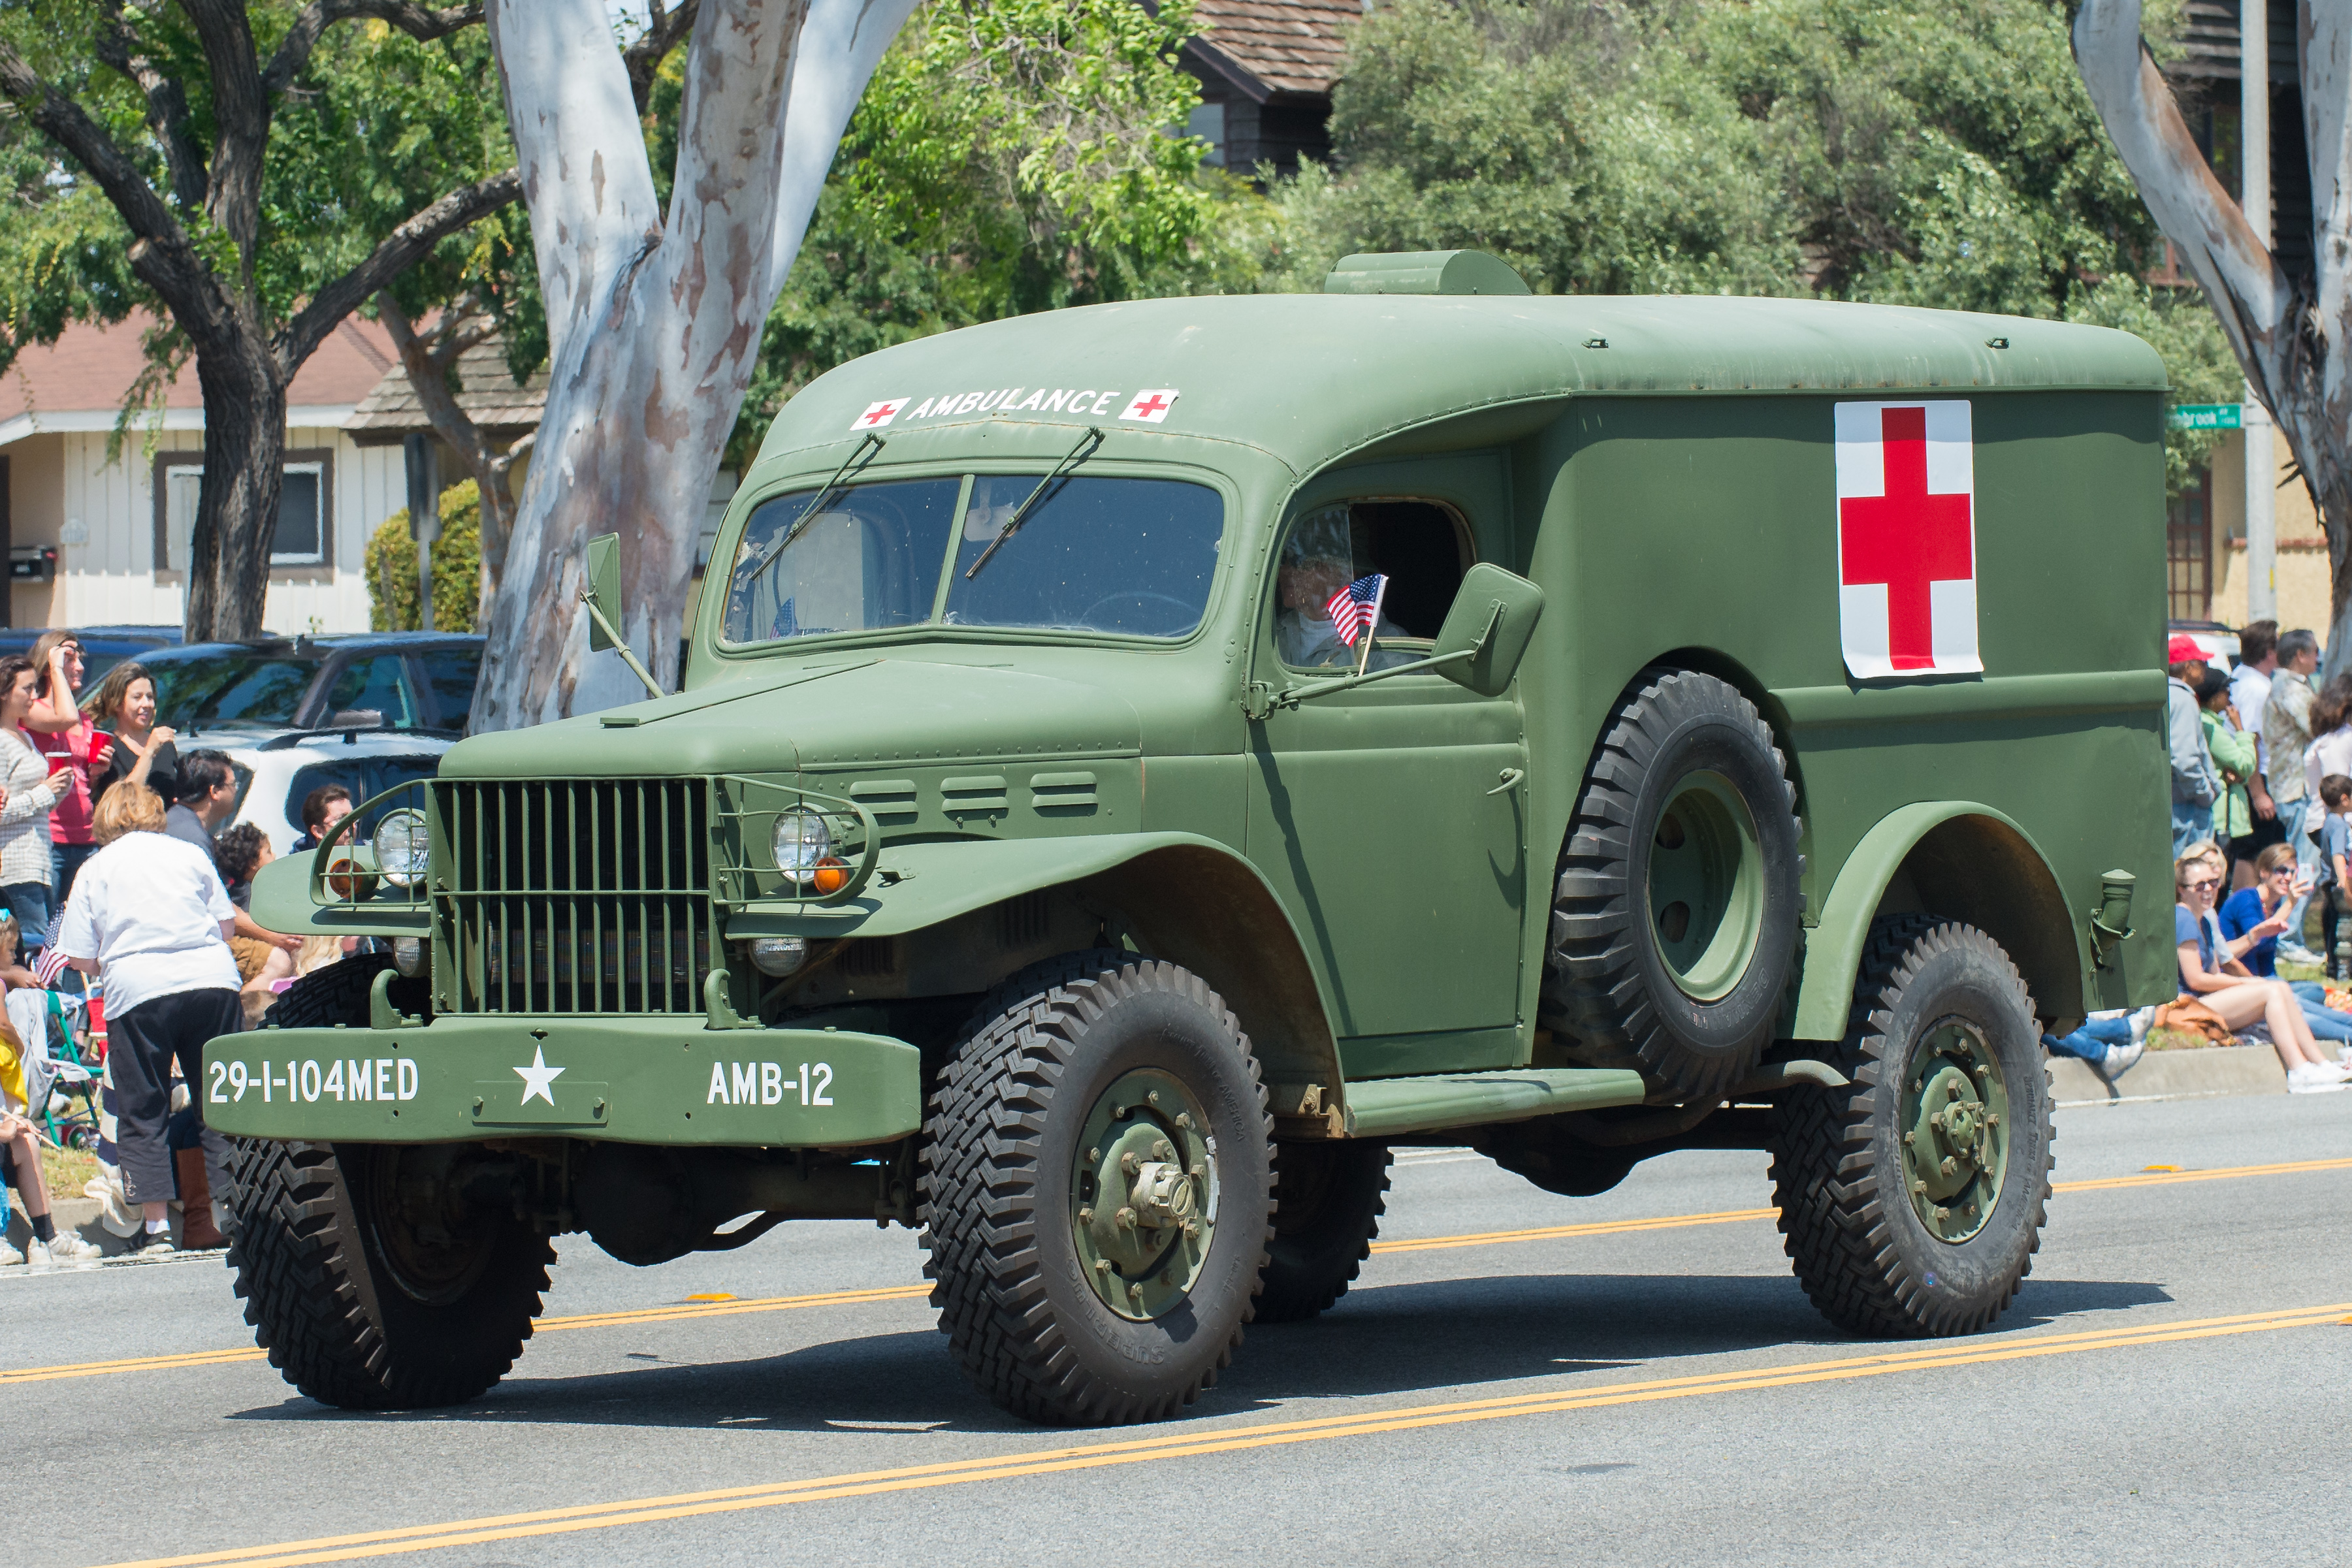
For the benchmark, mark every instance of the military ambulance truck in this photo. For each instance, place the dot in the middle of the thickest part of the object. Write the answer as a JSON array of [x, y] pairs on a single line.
[[1135, 766]]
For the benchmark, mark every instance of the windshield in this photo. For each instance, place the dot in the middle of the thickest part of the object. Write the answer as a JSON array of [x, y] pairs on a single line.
[[217, 689], [1133, 557]]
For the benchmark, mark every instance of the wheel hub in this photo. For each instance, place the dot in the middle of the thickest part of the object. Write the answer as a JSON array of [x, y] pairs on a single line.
[[1706, 885], [1143, 1204], [1955, 1147]]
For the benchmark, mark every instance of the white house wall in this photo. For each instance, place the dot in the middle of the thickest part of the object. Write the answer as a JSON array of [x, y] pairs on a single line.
[[112, 579]]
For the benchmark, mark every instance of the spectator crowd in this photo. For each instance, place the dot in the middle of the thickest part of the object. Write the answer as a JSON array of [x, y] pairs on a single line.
[[126, 943], [2262, 825]]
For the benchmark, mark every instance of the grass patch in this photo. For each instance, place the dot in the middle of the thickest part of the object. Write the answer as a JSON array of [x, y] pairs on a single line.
[[67, 1171]]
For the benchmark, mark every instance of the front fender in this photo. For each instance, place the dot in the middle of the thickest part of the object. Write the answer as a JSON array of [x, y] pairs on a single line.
[[2012, 894], [1188, 899]]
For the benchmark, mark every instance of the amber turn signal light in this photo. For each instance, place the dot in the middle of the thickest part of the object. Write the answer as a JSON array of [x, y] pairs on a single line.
[[832, 875]]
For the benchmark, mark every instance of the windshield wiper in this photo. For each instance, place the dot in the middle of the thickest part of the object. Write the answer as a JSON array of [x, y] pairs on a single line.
[[808, 513], [1076, 456]]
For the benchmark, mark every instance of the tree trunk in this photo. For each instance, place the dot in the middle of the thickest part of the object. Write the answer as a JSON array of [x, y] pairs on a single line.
[[2293, 334], [652, 321], [236, 510], [426, 360]]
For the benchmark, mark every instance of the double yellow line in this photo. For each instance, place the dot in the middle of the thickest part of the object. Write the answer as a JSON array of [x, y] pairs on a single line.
[[1196, 1443], [692, 1309]]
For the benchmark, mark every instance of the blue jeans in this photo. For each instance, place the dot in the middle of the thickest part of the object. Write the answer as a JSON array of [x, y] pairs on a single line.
[[2307, 862], [2090, 1042], [29, 903], [65, 865], [2189, 824], [2325, 1021]]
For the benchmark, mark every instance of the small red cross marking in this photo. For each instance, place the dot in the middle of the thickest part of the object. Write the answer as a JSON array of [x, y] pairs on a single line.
[[1906, 538], [878, 415], [1145, 409]]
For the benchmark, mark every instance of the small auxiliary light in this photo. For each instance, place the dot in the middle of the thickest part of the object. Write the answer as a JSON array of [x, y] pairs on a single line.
[[832, 874], [777, 956]]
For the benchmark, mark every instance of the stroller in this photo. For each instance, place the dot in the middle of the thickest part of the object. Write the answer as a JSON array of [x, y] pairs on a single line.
[[62, 1098]]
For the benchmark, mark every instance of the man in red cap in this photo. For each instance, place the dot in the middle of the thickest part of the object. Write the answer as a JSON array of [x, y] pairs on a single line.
[[2196, 784]]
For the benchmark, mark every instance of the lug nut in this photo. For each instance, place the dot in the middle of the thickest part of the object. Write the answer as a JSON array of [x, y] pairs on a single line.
[[1949, 1166], [1161, 1151], [1129, 1164], [1085, 1216], [1135, 1291], [1192, 1228], [1126, 1218], [1184, 1120], [1153, 1096], [1094, 1157]]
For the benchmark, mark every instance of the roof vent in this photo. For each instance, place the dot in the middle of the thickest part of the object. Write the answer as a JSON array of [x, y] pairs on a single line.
[[1423, 272]]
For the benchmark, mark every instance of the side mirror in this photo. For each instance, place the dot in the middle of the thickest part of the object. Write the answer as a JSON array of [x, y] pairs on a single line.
[[601, 597], [1494, 613], [603, 593]]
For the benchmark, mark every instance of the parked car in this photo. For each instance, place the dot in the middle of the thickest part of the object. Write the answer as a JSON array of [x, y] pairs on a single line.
[[397, 680], [2221, 643], [102, 647], [274, 772]]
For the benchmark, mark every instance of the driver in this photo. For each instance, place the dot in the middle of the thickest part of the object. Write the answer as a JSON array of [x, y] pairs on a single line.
[[1318, 562]]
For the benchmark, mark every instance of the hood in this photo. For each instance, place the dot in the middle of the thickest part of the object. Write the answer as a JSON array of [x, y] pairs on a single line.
[[854, 714]]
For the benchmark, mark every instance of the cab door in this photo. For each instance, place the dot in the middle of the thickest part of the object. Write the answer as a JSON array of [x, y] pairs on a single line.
[[1391, 819]]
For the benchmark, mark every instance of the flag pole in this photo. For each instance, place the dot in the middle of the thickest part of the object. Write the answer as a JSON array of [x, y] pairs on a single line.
[[1364, 654]]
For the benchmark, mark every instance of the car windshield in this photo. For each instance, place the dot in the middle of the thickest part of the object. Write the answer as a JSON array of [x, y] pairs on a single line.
[[1131, 556], [238, 689]]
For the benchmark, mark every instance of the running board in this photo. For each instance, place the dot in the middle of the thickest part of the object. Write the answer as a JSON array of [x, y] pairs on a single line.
[[1385, 1107]]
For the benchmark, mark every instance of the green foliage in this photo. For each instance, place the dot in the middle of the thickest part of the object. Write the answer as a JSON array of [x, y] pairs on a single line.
[[1938, 155], [391, 562], [1007, 157], [375, 126]]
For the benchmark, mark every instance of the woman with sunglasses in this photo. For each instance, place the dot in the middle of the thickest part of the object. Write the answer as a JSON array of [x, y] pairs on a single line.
[[2279, 887], [2211, 973]]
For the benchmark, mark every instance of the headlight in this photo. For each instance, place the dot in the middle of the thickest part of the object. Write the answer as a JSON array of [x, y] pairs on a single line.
[[802, 842], [408, 955], [778, 955], [403, 850]]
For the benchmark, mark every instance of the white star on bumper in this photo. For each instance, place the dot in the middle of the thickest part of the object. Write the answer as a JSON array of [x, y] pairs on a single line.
[[538, 1076]]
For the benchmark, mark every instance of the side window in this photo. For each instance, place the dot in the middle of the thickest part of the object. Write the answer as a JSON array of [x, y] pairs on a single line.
[[450, 673], [364, 776], [378, 684], [1413, 554]]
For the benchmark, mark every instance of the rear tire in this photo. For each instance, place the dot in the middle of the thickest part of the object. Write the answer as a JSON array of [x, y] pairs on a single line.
[[359, 1304], [1096, 1191], [1900, 1221], [1327, 1208]]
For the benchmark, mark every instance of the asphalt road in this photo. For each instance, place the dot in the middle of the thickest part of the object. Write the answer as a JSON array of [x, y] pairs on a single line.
[[2170, 1386]]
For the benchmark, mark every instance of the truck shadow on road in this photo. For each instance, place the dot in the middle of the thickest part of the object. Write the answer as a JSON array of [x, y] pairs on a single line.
[[1404, 1338]]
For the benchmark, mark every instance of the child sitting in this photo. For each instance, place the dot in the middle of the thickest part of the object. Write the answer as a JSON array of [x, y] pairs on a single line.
[[2334, 845]]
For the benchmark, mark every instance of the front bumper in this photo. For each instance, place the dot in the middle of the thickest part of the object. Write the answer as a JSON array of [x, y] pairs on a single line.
[[627, 1080]]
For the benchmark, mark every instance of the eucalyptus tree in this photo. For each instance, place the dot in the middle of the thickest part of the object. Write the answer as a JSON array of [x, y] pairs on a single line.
[[653, 312]]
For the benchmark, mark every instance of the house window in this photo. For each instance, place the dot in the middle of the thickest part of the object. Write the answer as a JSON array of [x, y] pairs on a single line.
[[305, 532], [1207, 121], [2189, 552]]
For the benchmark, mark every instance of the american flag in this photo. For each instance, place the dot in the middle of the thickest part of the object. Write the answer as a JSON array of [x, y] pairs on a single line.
[[52, 961], [1355, 610]]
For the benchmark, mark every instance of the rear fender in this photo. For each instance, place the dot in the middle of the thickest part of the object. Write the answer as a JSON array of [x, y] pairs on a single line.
[[1184, 898], [1951, 858]]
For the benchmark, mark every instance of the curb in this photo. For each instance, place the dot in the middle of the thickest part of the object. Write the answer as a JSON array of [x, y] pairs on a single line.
[[78, 1214], [2193, 1074]]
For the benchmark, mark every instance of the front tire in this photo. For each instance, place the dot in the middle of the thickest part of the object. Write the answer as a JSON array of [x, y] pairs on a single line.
[[1913, 1199], [1327, 1208], [1094, 1187], [367, 1294]]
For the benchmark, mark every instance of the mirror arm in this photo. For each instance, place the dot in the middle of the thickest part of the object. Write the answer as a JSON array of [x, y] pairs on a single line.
[[1291, 696], [621, 644]]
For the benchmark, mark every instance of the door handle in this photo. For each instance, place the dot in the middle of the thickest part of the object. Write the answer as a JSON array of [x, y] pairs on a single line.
[[1512, 779]]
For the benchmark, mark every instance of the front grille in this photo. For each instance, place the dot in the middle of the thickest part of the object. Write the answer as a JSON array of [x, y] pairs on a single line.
[[592, 896]]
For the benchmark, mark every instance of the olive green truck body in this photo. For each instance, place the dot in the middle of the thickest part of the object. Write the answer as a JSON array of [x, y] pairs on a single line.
[[1366, 874]]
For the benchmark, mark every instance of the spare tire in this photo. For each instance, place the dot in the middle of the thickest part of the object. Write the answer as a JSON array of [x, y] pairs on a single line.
[[1675, 911]]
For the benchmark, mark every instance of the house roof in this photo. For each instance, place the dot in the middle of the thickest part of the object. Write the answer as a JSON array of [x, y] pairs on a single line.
[[486, 391], [1270, 47], [86, 374]]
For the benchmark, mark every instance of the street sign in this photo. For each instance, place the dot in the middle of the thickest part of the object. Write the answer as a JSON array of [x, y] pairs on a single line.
[[2206, 416]]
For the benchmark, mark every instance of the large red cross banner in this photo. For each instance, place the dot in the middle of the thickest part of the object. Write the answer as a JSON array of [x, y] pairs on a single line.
[[1907, 540]]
